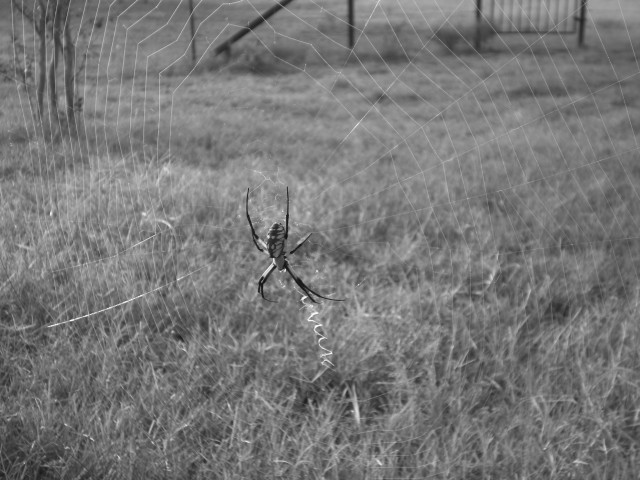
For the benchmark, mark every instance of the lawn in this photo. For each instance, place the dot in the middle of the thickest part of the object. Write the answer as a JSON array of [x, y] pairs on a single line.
[[479, 214]]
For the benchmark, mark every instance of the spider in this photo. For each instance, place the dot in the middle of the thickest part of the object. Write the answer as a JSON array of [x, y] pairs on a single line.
[[275, 247]]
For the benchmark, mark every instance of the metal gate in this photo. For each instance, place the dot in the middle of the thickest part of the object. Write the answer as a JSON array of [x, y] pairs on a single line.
[[533, 16]]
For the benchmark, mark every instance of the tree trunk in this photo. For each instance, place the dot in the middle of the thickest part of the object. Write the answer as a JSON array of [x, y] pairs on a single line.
[[69, 72], [53, 66], [42, 59]]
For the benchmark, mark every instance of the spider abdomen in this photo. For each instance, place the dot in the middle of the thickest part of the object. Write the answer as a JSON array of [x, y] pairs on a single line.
[[276, 240]]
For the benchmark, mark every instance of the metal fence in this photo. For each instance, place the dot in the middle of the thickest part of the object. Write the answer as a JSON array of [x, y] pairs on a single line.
[[534, 16]]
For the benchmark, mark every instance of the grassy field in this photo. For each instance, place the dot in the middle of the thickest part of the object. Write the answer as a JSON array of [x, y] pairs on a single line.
[[478, 212]]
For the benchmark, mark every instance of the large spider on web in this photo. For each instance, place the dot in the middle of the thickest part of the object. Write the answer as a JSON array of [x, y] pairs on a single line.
[[275, 247]]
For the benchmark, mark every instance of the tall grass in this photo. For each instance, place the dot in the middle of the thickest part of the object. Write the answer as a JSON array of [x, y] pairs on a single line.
[[481, 221]]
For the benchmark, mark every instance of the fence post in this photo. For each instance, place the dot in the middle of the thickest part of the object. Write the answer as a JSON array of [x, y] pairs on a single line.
[[192, 21], [583, 21], [478, 40], [351, 23]]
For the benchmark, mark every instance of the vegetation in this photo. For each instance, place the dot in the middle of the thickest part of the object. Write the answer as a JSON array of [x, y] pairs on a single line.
[[481, 219]]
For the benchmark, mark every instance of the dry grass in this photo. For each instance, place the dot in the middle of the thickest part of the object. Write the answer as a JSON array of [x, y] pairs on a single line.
[[481, 220]]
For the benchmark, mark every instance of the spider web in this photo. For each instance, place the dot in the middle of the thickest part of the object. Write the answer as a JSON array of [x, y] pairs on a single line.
[[477, 210]]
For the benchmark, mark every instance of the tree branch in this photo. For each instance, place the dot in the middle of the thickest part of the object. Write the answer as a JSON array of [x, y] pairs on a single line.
[[27, 13]]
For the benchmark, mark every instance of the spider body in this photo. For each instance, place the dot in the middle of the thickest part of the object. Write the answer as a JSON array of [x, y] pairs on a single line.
[[275, 247], [276, 243]]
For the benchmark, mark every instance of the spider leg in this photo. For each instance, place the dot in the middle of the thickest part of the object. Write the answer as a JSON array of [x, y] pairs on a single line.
[[306, 289], [286, 227], [299, 244], [263, 280], [260, 245]]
